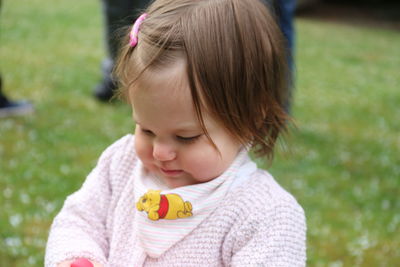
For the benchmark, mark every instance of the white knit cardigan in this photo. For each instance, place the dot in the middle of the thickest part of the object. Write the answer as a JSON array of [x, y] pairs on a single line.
[[258, 224]]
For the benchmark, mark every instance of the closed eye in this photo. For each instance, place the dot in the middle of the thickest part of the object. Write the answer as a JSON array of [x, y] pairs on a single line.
[[189, 139], [147, 132]]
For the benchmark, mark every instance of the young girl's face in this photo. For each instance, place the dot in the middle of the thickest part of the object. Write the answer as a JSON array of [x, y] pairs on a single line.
[[168, 137]]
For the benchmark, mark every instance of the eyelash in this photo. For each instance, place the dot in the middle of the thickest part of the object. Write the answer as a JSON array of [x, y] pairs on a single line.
[[185, 140], [147, 132], [188, 140]]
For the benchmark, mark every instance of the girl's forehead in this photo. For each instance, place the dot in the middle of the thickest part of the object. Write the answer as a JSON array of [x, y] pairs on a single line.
[[161, 92], [170, 81]]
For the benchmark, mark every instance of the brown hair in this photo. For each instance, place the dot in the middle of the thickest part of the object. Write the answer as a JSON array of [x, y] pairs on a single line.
[[235, 57]]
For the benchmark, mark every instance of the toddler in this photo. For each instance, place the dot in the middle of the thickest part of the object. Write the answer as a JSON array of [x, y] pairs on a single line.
[[206, 80]]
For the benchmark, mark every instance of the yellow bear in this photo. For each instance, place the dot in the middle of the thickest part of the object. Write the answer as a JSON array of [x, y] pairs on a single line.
[[168, 206]]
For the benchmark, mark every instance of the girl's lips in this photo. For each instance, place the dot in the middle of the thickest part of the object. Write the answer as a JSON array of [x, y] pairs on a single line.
[[171, 172]]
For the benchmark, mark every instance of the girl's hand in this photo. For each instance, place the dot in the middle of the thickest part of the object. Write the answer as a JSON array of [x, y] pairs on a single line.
[[68, 264]]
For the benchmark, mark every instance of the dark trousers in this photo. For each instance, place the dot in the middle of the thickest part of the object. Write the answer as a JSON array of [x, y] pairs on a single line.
[[117, 14], [285, 12], [3, 99]]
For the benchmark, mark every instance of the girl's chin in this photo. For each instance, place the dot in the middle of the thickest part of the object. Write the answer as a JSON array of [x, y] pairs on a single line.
[[171, 173], [174, 182]]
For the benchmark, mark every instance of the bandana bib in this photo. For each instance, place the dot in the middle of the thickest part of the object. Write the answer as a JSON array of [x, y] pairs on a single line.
[[164, 216]]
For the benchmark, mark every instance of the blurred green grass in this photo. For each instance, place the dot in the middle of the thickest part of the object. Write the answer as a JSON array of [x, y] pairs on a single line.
[[342, 162]]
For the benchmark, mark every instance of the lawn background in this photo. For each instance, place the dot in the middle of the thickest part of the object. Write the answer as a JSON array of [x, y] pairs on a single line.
[[342, 162]]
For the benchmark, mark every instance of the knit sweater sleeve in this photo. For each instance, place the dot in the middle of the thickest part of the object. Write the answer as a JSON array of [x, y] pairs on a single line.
[[272, 233], [79, 230]]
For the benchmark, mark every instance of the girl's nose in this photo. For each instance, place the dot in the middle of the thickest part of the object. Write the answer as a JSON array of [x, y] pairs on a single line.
[[163, 152]]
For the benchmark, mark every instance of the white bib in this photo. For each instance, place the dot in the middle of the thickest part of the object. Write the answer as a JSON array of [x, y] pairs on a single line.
[[165, 216]]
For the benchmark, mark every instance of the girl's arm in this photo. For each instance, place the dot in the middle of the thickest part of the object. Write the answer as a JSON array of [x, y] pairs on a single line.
[[79, 230]]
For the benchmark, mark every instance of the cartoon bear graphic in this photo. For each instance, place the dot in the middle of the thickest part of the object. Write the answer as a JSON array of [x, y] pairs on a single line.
[[168, 206]]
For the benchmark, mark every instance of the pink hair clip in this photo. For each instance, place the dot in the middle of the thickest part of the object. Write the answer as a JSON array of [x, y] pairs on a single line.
[[135, 30]]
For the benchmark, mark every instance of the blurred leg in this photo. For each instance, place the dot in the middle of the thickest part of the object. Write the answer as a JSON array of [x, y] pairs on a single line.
[[285, 10], [12, 108], [8, 107], [3, 99], [117, 14]]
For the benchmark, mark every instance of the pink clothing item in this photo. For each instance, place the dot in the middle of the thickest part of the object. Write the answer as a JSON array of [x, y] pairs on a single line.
[[257, 224]]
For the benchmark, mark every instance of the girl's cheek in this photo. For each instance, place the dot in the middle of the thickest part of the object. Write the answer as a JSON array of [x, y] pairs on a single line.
[[143, 148], [203, 167]]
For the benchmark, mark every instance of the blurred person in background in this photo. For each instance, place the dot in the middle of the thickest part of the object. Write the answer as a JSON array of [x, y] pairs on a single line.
[[9, 107], [116, 13]]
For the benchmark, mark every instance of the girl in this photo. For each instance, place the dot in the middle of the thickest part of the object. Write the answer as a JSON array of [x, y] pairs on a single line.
[[206, 82]]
